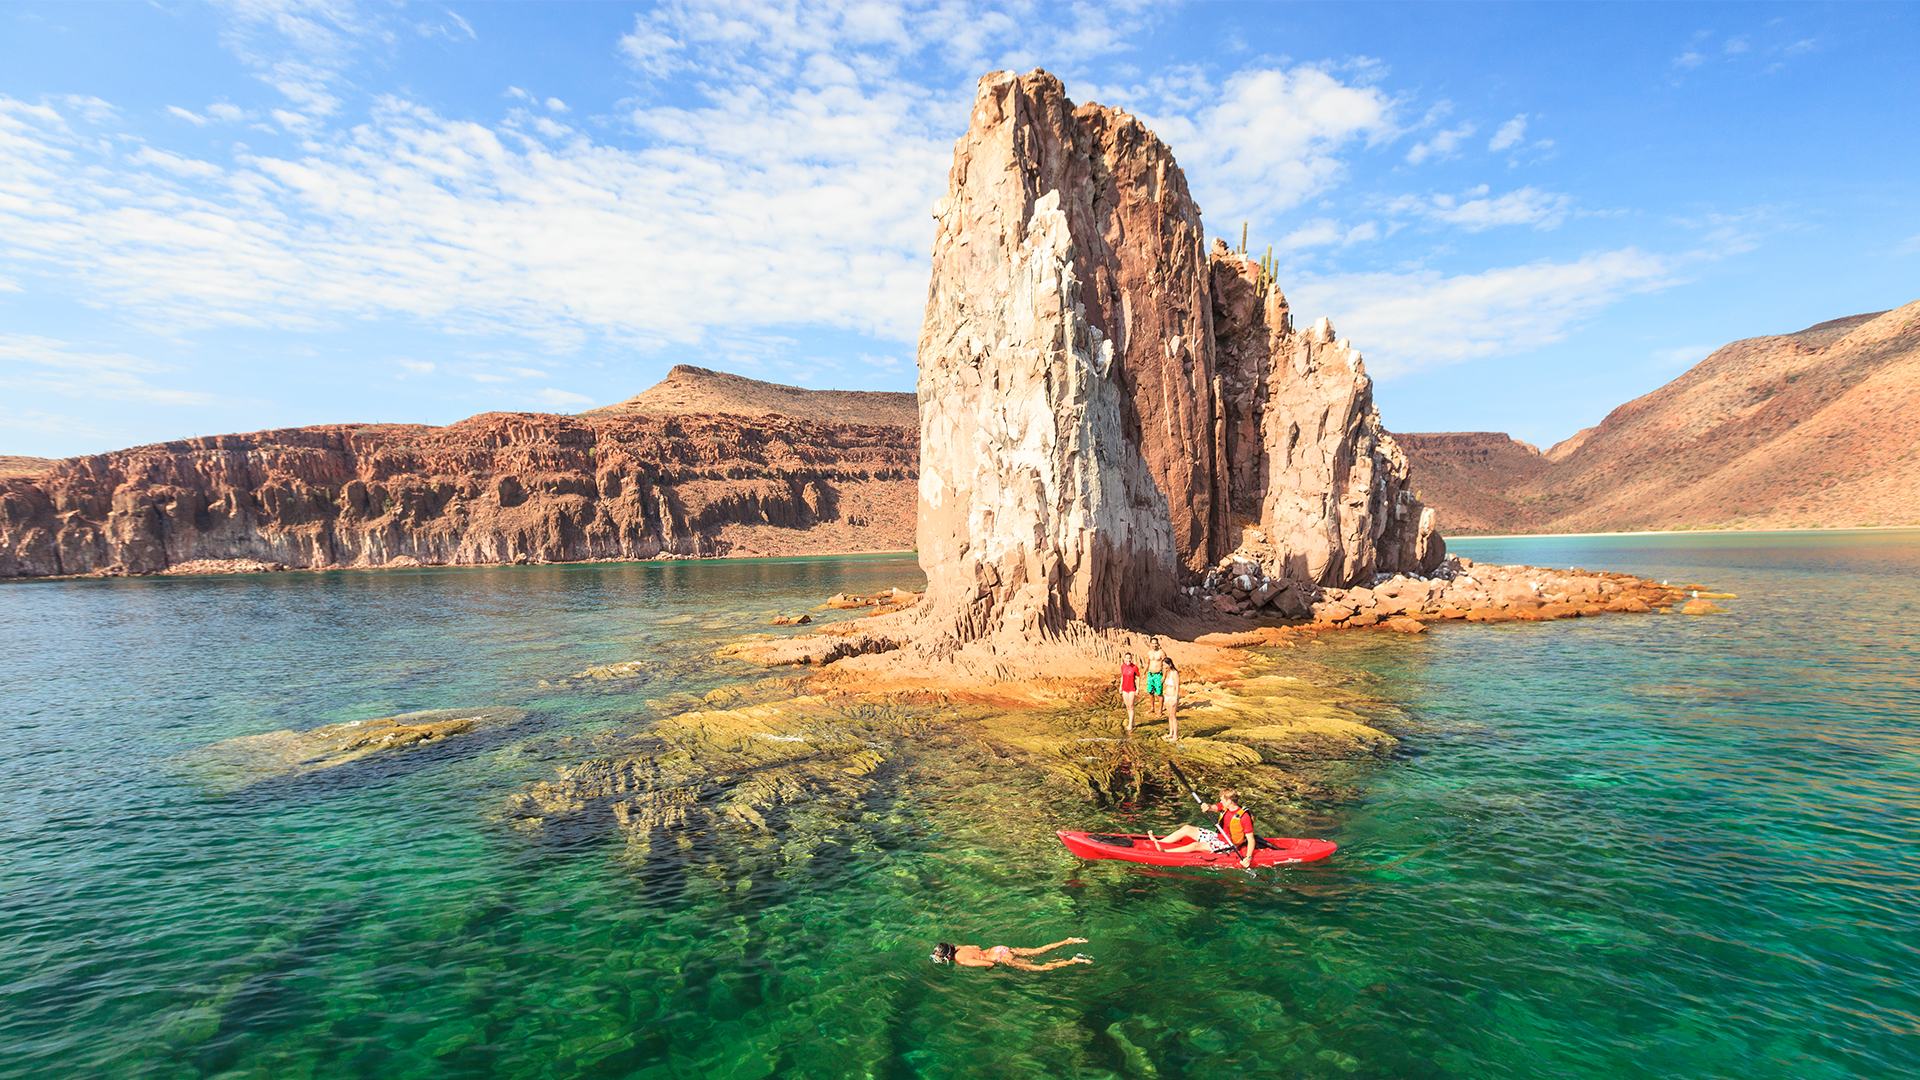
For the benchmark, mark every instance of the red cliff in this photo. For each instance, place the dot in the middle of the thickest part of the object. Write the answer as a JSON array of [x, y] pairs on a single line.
[[496, 488]]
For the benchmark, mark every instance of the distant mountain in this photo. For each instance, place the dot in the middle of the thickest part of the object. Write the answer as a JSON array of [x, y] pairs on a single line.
[[1465, 475], [14, 465], [1815, 429], [688, 389]]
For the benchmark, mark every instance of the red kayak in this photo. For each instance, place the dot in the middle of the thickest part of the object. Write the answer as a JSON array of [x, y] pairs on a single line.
[[1267, 850]]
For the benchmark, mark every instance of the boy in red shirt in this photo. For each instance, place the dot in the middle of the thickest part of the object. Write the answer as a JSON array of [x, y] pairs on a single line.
[[1129, 686]]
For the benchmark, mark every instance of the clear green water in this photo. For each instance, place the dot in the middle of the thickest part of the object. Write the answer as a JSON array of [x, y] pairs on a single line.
[[1637, 847]]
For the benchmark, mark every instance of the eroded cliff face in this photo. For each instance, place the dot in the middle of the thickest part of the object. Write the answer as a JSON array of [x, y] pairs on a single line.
[[1067, 435], [1104, 407], [496, 488], [1307, 456]]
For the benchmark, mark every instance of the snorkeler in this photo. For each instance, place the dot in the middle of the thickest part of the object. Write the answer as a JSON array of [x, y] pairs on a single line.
[[975, 956]]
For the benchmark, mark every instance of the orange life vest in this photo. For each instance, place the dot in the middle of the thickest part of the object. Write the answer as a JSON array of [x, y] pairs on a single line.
[[1236, 826]]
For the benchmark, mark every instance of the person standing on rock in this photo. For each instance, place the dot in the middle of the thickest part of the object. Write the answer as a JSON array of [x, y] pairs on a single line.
[[1170, 688], [1129, 687], [1156, 660]]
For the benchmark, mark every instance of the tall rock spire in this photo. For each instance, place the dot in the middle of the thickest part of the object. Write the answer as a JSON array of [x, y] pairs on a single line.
[[1083, 451], [1068, 428]]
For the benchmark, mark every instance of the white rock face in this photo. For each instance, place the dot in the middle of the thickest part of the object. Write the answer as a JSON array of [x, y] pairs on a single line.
[[1034, 509]]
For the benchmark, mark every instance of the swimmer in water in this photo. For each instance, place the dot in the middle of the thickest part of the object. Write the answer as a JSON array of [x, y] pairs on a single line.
[[975, 956]]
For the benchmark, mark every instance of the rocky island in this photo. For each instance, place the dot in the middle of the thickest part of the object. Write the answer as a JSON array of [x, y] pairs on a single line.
[[1122, 432]]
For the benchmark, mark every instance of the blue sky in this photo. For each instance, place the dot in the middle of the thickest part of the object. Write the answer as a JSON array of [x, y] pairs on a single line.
[[231, 217]]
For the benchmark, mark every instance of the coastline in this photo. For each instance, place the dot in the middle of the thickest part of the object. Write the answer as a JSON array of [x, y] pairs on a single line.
[[1686, 532], [263, 568]]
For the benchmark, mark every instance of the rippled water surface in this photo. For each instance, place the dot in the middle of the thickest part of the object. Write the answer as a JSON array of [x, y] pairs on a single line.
[[1656, 846]]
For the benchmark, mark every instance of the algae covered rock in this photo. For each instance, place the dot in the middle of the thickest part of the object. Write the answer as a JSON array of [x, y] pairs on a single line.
[[235, 763], [755, 769]]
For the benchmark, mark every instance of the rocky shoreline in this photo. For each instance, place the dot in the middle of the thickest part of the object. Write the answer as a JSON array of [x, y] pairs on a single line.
[[218, 567], [1459, 589]]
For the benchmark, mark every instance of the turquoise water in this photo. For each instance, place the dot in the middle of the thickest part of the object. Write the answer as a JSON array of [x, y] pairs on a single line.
[[1640, 847]]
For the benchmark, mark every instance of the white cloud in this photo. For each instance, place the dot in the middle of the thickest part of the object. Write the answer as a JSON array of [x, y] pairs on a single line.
[[91, 109], [1682, 356], [189, 116], [32, 362], [1267, 140], [1322, 232], [453, 27], [560, 399], [1443, 145], [1688, 60], [785, 182], [220, 110], [1509, 134], [804, 207], [1409, 321], [46, 423], [1474, 210], [174, 163], [1316, 233], [554, 104], [1737, 45]]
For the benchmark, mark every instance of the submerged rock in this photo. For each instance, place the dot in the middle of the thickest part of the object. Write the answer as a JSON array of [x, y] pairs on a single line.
[[750, 767], [249, 759]]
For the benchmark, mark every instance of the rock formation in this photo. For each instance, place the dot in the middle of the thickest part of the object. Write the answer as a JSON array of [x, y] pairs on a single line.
[[1084, 446], [1306, 453], [1812, 429], [1067, 451], [496, 488]]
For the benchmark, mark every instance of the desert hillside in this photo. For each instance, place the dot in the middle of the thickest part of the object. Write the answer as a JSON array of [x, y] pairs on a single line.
[[1817, 429], [14, 465], [1464, 474], [688, 389], [494, 488]]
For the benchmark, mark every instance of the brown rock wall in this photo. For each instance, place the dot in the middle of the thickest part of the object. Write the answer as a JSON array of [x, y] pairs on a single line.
[[500, 487], [1307, 456]]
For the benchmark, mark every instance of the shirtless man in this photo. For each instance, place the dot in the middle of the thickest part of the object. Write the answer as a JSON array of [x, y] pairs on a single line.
[[1156, 660], [975, 956], [1129, 687]]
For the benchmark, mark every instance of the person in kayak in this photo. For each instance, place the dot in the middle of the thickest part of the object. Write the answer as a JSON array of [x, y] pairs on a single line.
[[1234, 835], [975, 956], [1155, 659], [1129, 686]]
